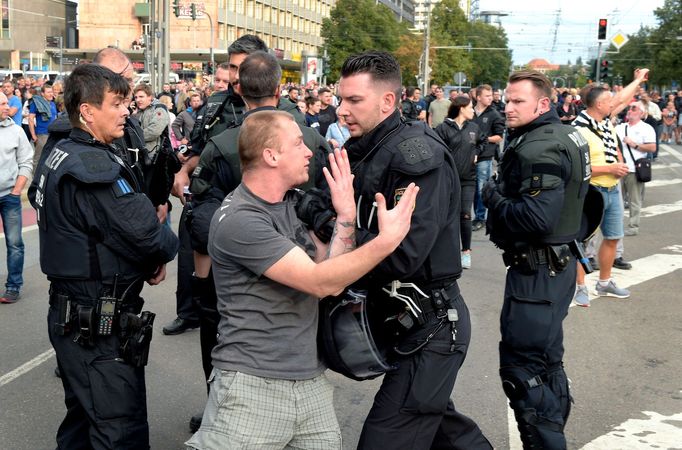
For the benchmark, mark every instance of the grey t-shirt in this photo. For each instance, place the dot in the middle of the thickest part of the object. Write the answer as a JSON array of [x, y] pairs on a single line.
[[266, 329]]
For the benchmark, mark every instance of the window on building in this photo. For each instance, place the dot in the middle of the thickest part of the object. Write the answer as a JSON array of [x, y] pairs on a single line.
[[249, 8], [4, 33], [259, 11], [266, 13], [275, 15], [231, 33]]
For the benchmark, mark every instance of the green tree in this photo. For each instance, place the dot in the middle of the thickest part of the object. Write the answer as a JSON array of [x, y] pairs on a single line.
[[449, 27], [355, 26], [666, 40], [489, 66], [409, 55]]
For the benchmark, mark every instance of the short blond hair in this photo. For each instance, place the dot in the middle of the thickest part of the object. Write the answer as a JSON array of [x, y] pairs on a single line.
[[259, 131]]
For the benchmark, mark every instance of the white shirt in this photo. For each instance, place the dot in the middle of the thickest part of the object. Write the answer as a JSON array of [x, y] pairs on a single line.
[[641, 133]]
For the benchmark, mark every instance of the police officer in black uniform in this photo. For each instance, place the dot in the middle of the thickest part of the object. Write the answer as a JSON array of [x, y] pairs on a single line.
[[89, 202], [535, 210], [412, 409]]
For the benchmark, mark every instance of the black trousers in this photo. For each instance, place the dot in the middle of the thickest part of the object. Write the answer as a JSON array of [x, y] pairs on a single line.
[[413, 409], [105, 398], [183, 295], [532, 347]]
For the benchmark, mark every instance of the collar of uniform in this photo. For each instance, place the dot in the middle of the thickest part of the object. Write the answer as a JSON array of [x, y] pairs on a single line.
[[358, 147], [80, 135], [260, 108]]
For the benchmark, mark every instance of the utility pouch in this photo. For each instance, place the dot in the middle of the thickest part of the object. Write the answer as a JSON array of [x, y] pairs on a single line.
[[62, 326], [524, 261], [137, 337], [559, 257], [86, 325]]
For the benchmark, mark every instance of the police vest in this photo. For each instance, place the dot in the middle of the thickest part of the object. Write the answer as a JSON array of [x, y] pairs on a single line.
[[66, 252], [220, 113], [412, 149], [533, 162]]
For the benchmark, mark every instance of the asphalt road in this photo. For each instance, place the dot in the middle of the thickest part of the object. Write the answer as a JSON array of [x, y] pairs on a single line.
[[623, 357]]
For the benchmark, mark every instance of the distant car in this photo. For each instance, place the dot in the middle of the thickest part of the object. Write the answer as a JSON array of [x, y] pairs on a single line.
[[48, 75], [11, 74], [145, 78]]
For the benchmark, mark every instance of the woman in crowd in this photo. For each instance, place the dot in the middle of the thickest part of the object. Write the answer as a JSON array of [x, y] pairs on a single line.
[[465, 141], [567, 111]]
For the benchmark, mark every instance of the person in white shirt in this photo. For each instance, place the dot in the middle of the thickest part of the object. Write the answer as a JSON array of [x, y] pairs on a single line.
[[638, 138]]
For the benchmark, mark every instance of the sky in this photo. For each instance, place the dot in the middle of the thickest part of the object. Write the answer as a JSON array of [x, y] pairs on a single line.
[[531, 25]]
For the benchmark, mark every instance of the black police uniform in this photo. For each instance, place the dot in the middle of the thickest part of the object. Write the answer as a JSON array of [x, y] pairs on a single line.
[[412, 409], [217, 174], [99, 237], [534, 213]]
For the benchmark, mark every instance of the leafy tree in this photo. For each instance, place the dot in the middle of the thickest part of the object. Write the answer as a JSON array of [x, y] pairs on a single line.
[[489, 66], [355, 26], [667, 43], [449, 27], [409, 55]]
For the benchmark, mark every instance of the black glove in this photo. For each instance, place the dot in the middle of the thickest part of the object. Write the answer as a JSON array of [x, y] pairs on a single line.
[[490, 195], [315, 209]]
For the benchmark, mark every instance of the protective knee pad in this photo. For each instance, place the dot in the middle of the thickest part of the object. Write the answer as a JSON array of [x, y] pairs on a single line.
[[536, 408]]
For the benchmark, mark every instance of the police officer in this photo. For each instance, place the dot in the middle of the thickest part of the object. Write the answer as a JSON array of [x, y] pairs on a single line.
[[90, 202], [131, 147], [535, 212], [387, 154], [218, 173]]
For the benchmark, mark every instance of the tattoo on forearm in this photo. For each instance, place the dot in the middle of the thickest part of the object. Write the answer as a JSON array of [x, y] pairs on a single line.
[[348, 240]]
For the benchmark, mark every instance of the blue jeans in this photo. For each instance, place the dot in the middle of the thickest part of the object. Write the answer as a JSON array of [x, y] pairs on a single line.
[[10, 210], [483, 171], [612, 222]]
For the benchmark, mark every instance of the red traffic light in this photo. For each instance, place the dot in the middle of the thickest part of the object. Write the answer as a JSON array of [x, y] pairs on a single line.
[[602, 22]]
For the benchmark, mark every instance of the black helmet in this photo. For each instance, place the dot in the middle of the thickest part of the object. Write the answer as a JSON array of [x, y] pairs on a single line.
[[354, 335]]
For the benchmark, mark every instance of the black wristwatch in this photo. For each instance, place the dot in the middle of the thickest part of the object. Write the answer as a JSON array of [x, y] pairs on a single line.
[[636, 146]]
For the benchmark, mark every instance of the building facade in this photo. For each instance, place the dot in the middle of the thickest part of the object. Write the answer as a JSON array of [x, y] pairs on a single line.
[[423, 7], [291, 28], [403, 9], [26, 25]]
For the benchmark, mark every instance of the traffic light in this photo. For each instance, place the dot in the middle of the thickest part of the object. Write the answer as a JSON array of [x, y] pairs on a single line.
[[326, 69], [176, 8], [209, 68], [601, 34], [193, 10], [605, 72]]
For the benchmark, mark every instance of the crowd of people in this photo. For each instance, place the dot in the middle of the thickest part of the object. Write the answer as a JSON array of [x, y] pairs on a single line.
[[291, 194]]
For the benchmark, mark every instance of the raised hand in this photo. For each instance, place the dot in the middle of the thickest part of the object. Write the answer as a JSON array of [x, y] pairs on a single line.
[[340, 180]]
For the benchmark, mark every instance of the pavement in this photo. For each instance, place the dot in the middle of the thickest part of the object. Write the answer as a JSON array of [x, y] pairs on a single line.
[[623, 357]]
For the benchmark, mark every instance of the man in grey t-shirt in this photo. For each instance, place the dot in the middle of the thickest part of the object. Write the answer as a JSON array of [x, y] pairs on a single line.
[[269, 272]]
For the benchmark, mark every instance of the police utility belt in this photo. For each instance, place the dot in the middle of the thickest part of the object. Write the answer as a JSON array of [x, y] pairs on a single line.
[[102, 317], [529, 259], [422, 308]]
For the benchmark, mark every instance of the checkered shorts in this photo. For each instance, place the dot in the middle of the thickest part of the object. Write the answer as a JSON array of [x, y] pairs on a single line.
[[249, 412]]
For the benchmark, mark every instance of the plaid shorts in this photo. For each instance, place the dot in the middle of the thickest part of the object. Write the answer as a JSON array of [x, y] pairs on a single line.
[[246, 411]]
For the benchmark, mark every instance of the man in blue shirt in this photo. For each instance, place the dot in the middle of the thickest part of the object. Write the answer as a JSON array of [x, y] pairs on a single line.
[[42, 113], [13, 101]]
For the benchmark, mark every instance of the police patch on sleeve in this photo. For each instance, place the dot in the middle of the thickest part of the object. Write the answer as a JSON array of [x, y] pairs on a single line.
[[121, 188]]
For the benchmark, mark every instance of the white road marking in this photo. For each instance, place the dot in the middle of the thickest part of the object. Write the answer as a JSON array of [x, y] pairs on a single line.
[[660, 183], [657, 210], [674, 248], [643, 269], [656, 431], [658, 165], [670, 151], [514, 436], [19, 371]]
